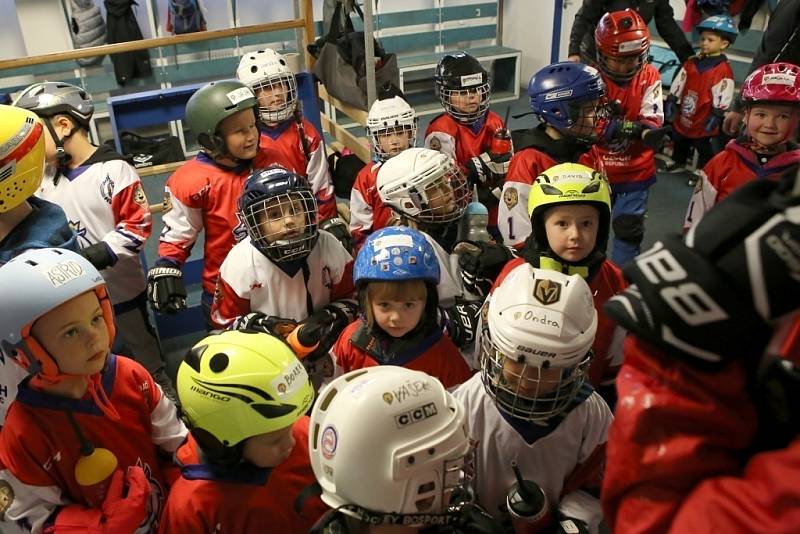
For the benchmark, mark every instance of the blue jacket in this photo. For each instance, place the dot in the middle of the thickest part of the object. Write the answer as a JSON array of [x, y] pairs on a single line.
[[46, 226]]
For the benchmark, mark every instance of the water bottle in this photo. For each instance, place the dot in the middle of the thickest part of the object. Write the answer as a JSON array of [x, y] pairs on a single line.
[[527, 504], [474, 221]]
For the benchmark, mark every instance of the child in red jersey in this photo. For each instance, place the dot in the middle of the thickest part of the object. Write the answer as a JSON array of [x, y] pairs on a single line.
[[634, 89], [392, 128], [84, 441], [286, 138], [396, 273], [203, 193], [771, 98], [244, 396], [700, 94]]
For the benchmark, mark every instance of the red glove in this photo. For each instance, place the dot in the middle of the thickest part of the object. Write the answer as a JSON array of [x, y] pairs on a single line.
[[122, 511]]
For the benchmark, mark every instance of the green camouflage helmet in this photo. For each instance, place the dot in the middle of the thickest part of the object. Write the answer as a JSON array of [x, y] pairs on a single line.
[[213, 103]]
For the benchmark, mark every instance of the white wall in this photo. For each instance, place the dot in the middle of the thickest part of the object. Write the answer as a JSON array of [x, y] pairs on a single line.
[[37, 19], [528, 26]]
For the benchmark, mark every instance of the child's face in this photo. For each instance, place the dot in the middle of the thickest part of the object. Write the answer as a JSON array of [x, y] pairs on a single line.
[[283, 217], [398, 317], [622, 65], [61, 125], [240, 134], [572, 230], [587, 118], [441, 199], [712, 43], [270, 449], [273, 97], [769, 125], [528, 381], [75, 334], [393, 141], [465, 101]]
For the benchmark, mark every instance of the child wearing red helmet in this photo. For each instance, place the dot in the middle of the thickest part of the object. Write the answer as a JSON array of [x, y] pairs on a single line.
[[771, 100]]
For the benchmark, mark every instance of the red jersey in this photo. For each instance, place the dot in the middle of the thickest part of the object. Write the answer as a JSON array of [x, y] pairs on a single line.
[[212, 499], [283, 145], [460, 141], [700, 86], [640, 100], [368, 213], [39, 446], [436, 355], [607, 346], [202, 194], [729, 170], [675, 453]]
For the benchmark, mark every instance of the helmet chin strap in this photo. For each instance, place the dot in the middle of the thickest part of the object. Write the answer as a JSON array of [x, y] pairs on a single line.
[[63, 158], [755, 146]]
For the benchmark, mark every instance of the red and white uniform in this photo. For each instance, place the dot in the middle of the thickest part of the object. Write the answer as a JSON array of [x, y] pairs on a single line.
[[436, 356], [607, 346], [249, 281], [202, 195], [512, 217], [565, 458], [729, 170], [641, 101], [700, 86], [675, 453], [368, 213], [282, 145], [459, 141], [103, 200], [210, 499], [39, 446]]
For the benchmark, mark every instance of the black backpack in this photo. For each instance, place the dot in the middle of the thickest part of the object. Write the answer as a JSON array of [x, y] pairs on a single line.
[[122, 27], [185, 16]]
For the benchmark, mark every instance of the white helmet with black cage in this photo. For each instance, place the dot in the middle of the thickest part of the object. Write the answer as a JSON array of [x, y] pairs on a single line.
[[391, 115], [267, 73]]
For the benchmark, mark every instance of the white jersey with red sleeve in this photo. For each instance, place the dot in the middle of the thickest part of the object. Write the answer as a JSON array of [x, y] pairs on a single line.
[[103, 200], [39, 446], [565, 457], [459, 141], [284, 146], [368, 213], [641, 101], [202, 194], [249, 281], [701, 86]]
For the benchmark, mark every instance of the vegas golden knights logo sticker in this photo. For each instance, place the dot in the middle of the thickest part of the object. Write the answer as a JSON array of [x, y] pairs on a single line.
[[546, 291]]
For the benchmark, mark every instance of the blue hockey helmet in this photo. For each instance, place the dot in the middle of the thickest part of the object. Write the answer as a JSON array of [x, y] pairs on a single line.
[[721, 24], [279, 212], [557, 93], [396, 254]]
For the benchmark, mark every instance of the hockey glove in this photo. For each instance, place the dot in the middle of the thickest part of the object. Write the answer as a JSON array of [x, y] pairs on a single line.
[[777, 399], [124, 510], [461, 322], [269, 324], [340, 231], [480, 263], [165, 289], [322, 328], [713, 298], [655, 137], [100, 255], [670, 108], [619, 133], [488, 169], [714, 120]]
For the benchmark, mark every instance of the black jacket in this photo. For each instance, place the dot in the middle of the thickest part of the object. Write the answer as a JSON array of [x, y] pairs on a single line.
[[122, 27], [581, 38], [782, 31]]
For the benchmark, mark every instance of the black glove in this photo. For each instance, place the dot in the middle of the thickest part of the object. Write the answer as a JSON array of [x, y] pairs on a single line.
[[100, 255], [340, 231], [712, 299], [323, 327], [480, 263], [570, 525], [165, 289], [714, 120], [670, 108], [777, 400], [488, 169], [461, 322], [269, 324], [655, 137], [619, 133]]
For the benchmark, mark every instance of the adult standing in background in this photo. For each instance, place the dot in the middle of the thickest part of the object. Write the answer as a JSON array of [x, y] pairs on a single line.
[[581, 38], [781, 42]]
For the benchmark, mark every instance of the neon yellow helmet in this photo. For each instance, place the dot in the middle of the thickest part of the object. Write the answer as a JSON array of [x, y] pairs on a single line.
[[567, 183], [21, 156], [236, 385]]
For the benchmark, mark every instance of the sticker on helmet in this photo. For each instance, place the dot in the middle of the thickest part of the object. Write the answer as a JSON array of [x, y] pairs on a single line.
[[471, 79], [415, 415], [290, 380], [238, 95], [64, 272], [558, 94], [329, 442], [780, 78], [630, 46], [391, 241], [546, 291], [388, 398]]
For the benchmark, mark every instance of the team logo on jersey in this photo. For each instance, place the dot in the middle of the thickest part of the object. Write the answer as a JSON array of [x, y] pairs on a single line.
[[327, 279], [435, 144], [166, 206], [6, 498], [138, 196], [510, 197], [107, 189], [546, 291]]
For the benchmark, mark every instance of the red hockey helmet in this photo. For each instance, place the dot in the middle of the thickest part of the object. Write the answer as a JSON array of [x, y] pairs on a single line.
[[774, 82], [621, 34]]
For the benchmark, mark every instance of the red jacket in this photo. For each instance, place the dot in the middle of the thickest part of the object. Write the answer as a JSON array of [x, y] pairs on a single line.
[[368, 213]]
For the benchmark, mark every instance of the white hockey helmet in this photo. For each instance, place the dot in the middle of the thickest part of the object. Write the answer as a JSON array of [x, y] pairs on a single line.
[[536, 342], [424, 185], [269, 76], [389, 440], [391, 115]]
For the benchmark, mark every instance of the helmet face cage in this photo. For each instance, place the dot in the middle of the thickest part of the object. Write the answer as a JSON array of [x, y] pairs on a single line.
[[283, 226], [394, 121], [277, 97], [467, 105], [438, 198], [525, 391]]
